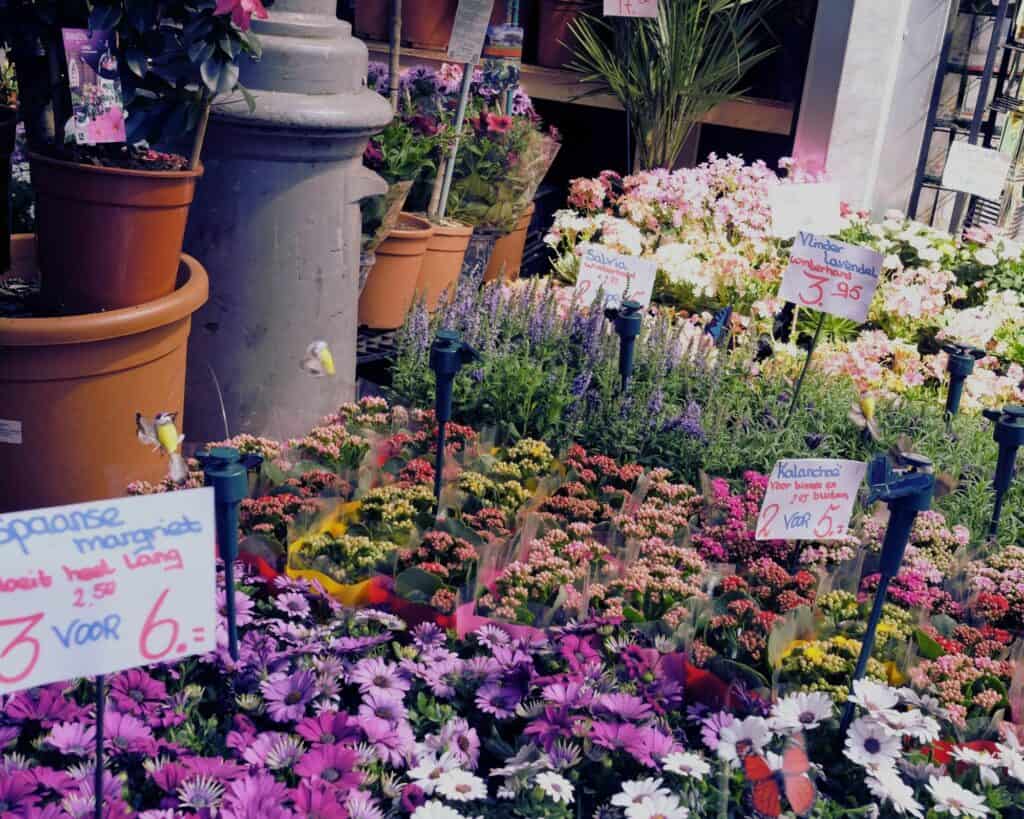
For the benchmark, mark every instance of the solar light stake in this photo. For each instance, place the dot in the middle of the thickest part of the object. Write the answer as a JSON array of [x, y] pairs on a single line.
[[448, 354], [907, 490], [627, 320], [1009, 434], [960, 365]]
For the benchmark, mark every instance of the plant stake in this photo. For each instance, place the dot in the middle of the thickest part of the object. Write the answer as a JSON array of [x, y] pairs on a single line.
[[448, 354], [960, 365], [228, 473], [396, 50], [807, 364], [1009, 434], [906, 491], [460, 118], [101, 696], [627, 320]]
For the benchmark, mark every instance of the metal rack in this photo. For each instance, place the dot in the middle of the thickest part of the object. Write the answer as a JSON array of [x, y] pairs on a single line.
[[997, 96]]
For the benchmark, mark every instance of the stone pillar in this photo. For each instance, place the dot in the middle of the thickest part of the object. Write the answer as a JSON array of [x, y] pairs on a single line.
[[276, 223], [866, 95]]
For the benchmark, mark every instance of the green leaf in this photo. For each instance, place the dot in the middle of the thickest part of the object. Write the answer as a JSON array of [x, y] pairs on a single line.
[[632, 614], [200, 51], [416, 584], [928, 648]]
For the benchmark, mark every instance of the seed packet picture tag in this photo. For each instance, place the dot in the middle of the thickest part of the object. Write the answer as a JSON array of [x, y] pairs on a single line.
[[95, 81]]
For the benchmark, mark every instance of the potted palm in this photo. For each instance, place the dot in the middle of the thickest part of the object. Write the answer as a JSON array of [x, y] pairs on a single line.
[[111, 216]]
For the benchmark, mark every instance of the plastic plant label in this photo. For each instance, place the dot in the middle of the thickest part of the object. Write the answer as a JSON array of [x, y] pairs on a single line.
[[504, 42], [620, 277], [811, 206], [976, 170], [10, 431], [630, 8], [95, 82], [809, 499], [99, 587], [471, 22], [831, 276]]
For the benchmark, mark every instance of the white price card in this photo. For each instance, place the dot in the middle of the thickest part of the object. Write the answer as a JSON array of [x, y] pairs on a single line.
[[470, 29], [812, 206], [620, 277], [809, 499], [976, 170], [630, 8], [99, 587], [831, 276]]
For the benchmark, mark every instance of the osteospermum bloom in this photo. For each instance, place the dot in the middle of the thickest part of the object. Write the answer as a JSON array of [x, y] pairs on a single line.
[[328, 728], [887, 786], [658, 807], [557, 787], [985, 762], [293, 603], [873, 696], [17, 793], [801, 711], [333, 764], [461, 786], [685, 763], [429, 770], [950, 798], [871, 745], [255, 796], [376, 675], [72, 738], [435, 810], [745, 737], [199, 792], [288, 694], [638, 791]]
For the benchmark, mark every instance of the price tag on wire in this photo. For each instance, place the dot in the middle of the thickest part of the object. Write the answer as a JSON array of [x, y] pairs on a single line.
[[630, 8], [831, 276], [99, 587], [809, 499]]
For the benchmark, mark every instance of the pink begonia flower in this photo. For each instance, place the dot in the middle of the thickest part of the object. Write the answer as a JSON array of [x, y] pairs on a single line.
[[242, 11]]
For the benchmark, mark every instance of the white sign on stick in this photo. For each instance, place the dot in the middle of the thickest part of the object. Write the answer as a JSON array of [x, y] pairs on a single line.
[[620, 277], [470, 29], [99, 587], [976, 170], [810, 206], [809, 499], [630, 8], [831, 276]]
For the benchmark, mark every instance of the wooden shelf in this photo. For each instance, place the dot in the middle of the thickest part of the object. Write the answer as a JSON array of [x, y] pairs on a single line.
[[559, 85]]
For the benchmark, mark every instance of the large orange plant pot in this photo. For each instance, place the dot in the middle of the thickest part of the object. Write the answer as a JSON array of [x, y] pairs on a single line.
[[70, 388], [442, 262], [391, 283], [108, 238], [554, 38], [507, 258], [429, 23], [372, 17]]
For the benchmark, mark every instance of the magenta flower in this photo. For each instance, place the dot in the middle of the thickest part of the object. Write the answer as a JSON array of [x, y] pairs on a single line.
[[361, 805], [293, 603], [256, 797], [623, 706], [73, 738], [316, 800], [330, 728], [124, 733], [243, 607], [497, 700], [46, 705], [333, 764], [376, 675], [17, 793], [391, 742], [383, 705], [48, 779], [288, 695], [135, 692]]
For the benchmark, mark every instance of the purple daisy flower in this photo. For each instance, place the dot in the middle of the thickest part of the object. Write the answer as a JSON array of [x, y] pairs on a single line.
[[332, 764], [497, 700], [169, 776], [17, 793], [72, 738], [256, 753], [361, 805], [375, 675], [8, 734], [285, 753], [243, 607], [288, 695], [623, 706], [712, 726], [457, 738], [392, 743], [256, 797], [318, 800], [124, 733], [652, 746], [200, 792], [383, 705], [135, 692], [569, 694], [428, 636], [329, 728], [293, 603], [48, 779], [46, 705], [491, 636]]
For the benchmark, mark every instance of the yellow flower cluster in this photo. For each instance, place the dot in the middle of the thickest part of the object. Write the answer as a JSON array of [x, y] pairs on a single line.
[[825, 665]]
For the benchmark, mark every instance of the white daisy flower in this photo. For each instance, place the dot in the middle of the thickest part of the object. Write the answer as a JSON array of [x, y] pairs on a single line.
[[686, 764], [430, 769], [1011, 759], [986, 256], [743, 737], [802, 711], [983, 760], [952, 799], [556, 786], [637, 791], [658, 807], [435, 810], [873, 696], [871, 745], [461, 786], [887, 786]]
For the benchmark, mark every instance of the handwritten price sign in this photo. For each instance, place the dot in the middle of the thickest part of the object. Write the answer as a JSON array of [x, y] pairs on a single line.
[[619, 276], [831, 276], [99, 587], [809, 499], [471, 20], [630, 8]]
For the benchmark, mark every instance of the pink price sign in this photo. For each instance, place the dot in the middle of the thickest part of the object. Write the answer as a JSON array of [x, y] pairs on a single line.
[[630, 8], [831, 276], [100, 587]]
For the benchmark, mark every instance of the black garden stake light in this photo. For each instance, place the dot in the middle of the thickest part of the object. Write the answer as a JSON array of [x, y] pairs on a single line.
[[1009, 434], [227, 471], [448, 354], [627, 320], [907, 490], [718, 327], [960, 365]]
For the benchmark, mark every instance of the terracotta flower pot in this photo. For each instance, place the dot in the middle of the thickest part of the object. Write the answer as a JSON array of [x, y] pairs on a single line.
[[554, 40], [372, 18], [429, 23], [391, 284], [108, 238], [443, 261], [70, 388], [507, 257]]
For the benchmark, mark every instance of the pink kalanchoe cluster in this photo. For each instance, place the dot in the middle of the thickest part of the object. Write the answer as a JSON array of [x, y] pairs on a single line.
[[930, 538], [727, 523], [953, 678], [999, 583], [332, 444]]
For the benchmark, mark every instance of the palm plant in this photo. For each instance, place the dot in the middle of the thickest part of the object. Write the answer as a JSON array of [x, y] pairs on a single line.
[[669, 71]]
